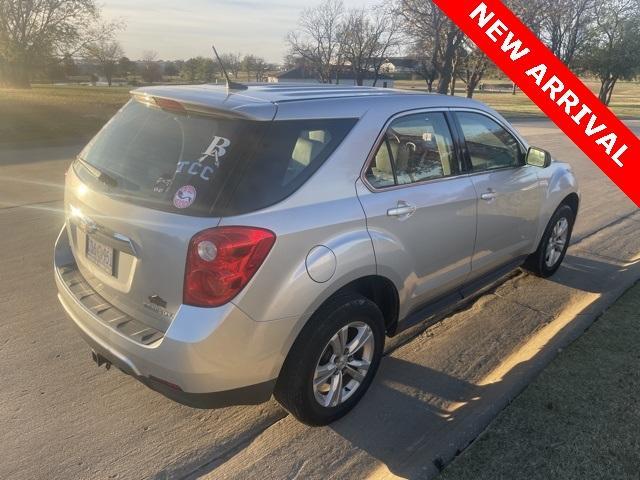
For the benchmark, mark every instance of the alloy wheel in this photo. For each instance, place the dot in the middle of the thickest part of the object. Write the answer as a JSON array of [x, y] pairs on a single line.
[[343, 364], [557, 242]]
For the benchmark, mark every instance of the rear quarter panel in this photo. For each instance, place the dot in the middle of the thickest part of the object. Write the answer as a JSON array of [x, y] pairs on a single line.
[[324, 211], [282, 288]]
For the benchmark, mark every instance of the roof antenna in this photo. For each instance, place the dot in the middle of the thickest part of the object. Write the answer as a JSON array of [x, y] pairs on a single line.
[[230, 85]]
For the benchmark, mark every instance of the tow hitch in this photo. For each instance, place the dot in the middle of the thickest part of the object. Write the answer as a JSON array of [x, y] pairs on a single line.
[[100, 360]]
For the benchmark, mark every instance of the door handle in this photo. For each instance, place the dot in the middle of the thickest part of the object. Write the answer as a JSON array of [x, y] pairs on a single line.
[[404, 210], [489, 195]]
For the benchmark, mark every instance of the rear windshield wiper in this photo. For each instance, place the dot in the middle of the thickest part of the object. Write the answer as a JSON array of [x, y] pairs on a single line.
[[100, 175]]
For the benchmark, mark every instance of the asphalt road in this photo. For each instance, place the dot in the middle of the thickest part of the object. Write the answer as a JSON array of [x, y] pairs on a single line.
[[62, 417]]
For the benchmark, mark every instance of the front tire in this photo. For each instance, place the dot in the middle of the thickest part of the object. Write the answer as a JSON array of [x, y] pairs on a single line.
[[554, 244], [333, 361]]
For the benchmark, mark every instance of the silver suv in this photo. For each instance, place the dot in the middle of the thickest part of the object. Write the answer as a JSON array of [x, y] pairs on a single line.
[[223, 246]]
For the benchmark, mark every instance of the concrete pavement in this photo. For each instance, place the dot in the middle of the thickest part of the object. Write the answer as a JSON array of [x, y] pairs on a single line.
[[61, 417]]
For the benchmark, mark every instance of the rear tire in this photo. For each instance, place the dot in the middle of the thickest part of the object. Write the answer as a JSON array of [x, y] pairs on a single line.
[[333, 361], [553, 245]]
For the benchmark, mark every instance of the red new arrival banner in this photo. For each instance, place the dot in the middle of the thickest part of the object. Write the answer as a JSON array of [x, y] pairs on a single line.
[[552, 86]]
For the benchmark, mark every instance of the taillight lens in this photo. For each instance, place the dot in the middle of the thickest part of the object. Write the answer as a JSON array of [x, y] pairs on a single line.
[[221, 261]]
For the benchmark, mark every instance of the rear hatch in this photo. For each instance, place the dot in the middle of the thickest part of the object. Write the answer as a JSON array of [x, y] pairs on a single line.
[[146, 184]]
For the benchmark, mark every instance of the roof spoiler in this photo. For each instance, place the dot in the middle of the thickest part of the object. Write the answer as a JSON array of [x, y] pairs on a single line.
[[180, 105]]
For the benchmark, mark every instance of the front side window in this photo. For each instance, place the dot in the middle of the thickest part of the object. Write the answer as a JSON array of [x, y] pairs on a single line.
[[415, 148], [490, 146]]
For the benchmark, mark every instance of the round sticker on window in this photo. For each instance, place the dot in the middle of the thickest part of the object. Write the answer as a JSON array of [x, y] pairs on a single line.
[[184, 197]]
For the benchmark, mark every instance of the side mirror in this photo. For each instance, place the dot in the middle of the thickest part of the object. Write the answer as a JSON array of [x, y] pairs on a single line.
[[538, 157]]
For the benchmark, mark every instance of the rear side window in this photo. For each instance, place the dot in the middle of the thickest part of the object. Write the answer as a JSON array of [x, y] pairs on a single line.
[[285, 157], [204, 165], [415, 148], [490, 146]]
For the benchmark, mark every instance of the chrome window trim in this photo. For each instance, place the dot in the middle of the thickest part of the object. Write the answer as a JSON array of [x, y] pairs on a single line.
[[501, 169]]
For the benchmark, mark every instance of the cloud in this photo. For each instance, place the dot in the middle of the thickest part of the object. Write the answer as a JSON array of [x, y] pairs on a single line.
[[186, 29]]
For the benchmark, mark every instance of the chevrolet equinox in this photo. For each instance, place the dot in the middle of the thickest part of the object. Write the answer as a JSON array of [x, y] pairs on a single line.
[[223, 246]]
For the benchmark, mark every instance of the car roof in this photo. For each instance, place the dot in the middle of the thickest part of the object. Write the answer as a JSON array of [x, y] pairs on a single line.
[[261, 101]]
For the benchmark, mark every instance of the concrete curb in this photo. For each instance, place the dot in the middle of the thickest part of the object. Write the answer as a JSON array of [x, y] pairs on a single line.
[[427, 461]]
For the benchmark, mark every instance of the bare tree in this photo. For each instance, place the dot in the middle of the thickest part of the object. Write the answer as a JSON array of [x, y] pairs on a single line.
[[471, 66], [531, 12], [106, 54], [317, 39], [249, 65], [207, 69], [126, 67], [455, 70], [190, 70], [32, 33], [567, 26], [261, 67], [367, 37], [424, 65], [69, 66], [232, 63], [434, 32], [292, 61], [614, 51], [150, 68]]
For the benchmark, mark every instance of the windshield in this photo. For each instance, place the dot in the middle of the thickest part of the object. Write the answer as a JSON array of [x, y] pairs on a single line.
[[204, 165]]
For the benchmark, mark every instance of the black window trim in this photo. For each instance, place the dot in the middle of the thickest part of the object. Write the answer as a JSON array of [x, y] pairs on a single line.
[[226, 197], [392, 158], [465, 150], [382, 138]]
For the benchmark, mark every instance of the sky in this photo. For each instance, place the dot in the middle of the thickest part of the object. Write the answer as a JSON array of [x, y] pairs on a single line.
[[184, 29]]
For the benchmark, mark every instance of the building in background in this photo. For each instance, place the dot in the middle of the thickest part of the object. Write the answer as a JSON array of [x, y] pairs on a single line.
[[345, 77], [399, 65]]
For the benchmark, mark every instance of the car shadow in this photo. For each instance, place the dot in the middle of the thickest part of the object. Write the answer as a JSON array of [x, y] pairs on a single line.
[[412, 415], [415, 420], [589, 274]]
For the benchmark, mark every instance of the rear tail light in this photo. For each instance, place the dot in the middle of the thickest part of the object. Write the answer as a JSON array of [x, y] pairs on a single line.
[[221, 261]]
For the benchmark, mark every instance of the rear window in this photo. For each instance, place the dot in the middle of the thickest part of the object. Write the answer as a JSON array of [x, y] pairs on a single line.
[[202, 165]]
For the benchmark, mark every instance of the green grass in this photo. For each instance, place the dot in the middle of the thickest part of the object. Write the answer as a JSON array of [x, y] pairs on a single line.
[[60, 114], [579, 419], [625, 102], [56, 114]]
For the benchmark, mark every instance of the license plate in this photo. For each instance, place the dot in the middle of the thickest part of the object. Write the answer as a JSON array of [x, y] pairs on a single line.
[[100, 254]]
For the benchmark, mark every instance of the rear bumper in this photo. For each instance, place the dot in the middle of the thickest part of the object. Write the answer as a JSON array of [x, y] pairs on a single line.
[[250, 395], [208, 358]]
